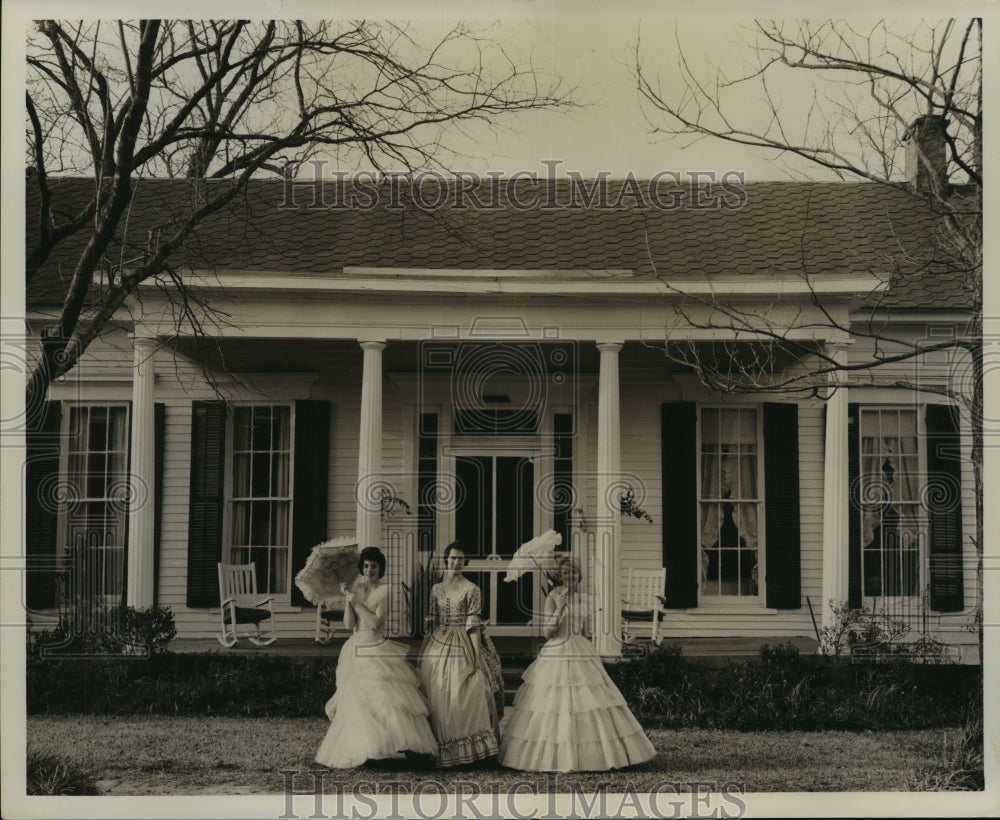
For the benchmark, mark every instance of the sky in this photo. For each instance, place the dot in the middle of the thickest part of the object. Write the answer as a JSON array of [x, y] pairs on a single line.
[[591, 46]]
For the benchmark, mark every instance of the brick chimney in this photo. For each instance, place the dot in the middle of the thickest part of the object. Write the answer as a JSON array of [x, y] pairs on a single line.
[[927, 153]]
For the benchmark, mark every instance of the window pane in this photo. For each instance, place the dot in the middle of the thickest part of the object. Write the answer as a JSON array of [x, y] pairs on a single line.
[[242, 423], [281, 431], [260, 523], [278, 571], [907, 424], [710, 483], [241, 475], [98, 438], [97, 478], [260, 481], [261, 428], [278, 516], [709, 426], [79, 429], [240, 522], [748, 477], [748, 427], [890, 423], [279, 474]]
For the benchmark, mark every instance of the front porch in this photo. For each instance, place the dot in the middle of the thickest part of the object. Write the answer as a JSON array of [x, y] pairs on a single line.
[[513, 650]]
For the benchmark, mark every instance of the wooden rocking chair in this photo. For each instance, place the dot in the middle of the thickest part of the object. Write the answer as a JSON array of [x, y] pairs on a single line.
[[643, 603], [242, 605]]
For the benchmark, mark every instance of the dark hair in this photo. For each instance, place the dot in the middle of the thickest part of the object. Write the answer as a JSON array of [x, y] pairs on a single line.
[[372, 554], [457, 544]]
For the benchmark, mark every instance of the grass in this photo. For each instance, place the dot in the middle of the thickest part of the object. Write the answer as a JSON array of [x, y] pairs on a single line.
[[49, 774], [230, 755]]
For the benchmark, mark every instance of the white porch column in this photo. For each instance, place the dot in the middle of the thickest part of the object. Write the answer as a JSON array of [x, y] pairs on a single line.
[[369, 523], [836, 495], [142, 485], [607, 620]]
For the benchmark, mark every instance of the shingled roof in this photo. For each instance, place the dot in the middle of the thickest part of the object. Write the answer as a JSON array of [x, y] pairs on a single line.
[[765, 230]]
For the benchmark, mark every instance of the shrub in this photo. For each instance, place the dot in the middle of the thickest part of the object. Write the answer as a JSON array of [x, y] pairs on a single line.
[[781, 689], [53, 775], [253, 686], [863, 633], [151, 628], [102, 630]]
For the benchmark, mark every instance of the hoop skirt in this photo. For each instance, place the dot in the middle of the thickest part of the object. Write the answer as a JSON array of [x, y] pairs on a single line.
[[378, 709], [569, 716], [464, 714]]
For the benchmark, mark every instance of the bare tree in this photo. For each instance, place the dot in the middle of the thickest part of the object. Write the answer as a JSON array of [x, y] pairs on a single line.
[[226, 101], [868, 90]]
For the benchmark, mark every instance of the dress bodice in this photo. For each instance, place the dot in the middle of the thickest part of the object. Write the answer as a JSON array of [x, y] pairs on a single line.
[[456, 605], [373, 600], [577, 616]]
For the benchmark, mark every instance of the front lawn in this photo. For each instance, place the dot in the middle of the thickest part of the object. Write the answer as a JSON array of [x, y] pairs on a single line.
[[156, 755]]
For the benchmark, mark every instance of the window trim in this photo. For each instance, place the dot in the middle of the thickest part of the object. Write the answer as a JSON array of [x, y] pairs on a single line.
[[732, 604], [65, 436], [923, 537], [284, 598]]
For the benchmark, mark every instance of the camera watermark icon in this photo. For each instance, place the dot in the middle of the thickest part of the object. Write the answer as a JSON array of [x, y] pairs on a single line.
[[39, 416], [498, 378], [955, 365]]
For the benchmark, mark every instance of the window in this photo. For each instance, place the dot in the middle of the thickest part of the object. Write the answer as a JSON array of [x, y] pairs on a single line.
[[98, 488], [729, 504], [259, 499], [892, 523]]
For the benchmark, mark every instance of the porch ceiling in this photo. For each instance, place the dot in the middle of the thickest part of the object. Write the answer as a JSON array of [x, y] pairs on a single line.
[[405, 357], [320, 355]]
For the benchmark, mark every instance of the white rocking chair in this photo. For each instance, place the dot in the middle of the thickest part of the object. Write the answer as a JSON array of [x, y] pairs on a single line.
[[643, 603], [328, 618], [242, 605]]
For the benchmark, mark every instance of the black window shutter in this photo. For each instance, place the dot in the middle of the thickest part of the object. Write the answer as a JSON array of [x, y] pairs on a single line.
[[781, 505], [944, 495], [208, 454], [680, 502], [41, 477], [309, 491], [853, 507], [159, 429]]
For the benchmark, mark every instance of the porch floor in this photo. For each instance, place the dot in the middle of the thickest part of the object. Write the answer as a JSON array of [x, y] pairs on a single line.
[[515, 652]]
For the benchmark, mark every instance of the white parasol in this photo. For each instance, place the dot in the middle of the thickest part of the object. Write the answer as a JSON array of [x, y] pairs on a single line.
[[528, 554], [330, 565]]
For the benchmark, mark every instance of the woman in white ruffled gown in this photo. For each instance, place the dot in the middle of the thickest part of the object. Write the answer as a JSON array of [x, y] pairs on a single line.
[[460, 669], [378, 709], [568, 715]]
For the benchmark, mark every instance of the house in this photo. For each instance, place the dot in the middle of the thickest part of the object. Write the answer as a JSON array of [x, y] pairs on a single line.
[[413, 364]]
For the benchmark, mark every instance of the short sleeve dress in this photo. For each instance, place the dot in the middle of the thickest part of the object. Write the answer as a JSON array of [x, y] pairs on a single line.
[[568, 715], [463, 697], [378, 709]]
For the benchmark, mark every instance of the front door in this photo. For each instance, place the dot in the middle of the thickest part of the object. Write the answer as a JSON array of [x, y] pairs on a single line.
[[494, 515]]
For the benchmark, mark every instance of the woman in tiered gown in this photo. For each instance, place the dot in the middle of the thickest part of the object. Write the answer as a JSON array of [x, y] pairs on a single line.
[[459, 669], [568, 716], [378, 709]]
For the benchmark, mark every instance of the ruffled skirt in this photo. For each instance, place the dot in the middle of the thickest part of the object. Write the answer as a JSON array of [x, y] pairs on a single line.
[[568, 715], [378, 709], [463, 710]]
